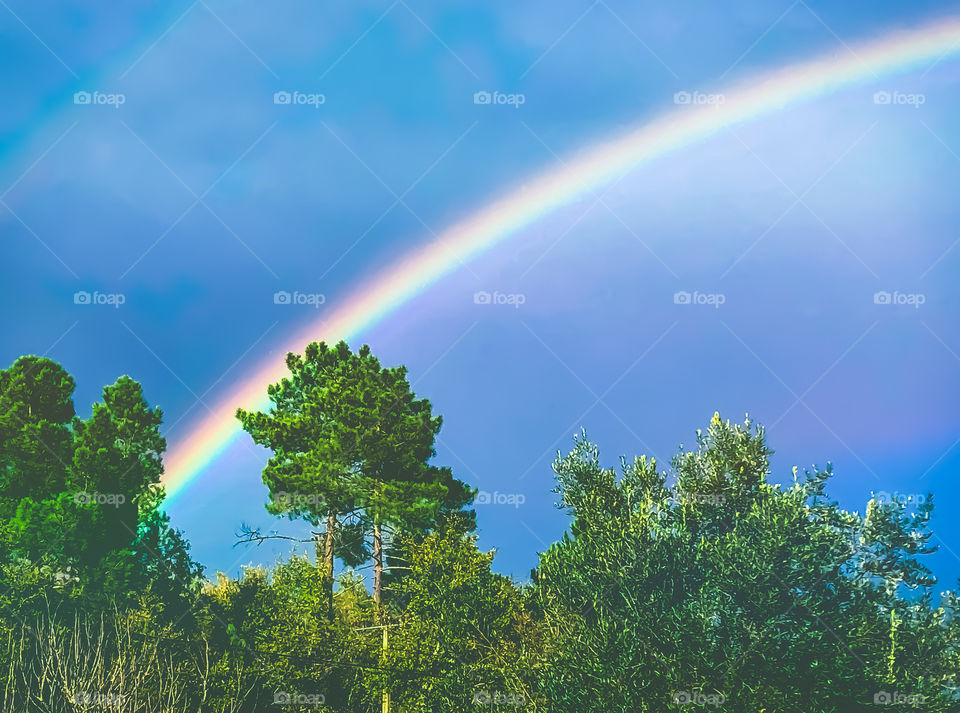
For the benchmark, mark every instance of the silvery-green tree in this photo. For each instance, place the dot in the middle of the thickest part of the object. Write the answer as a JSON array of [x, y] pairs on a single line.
[[709, 584]]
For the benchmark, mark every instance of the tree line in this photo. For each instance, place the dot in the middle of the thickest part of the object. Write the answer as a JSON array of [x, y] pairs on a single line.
[[701, 586]]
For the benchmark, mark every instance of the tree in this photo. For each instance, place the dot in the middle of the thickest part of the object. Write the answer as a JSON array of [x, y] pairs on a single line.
[[117, 463], [269, 634], [464, 638], [36, 443], [727, 590], [81, 497], [351, 445]]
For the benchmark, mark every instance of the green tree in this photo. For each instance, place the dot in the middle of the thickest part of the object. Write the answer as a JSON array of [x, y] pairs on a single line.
[[463, 638], [351, 445], [726, 589], [39, 521], [81, 497], [117, 464], [36, 443], [268, 633]]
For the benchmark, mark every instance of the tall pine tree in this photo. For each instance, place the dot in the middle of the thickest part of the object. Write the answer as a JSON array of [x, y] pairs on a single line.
[[351, 449]]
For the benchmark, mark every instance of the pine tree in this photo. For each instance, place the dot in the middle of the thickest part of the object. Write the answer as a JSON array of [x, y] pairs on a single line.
[[351, 448]]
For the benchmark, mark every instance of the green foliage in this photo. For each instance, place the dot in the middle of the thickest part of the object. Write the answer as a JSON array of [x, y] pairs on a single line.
[[79, 498], [118, 661], [118, 451], [351, 445], [705, 584], [351, 432], [459, 632], [729, 588], [36, 444], [269, 634]]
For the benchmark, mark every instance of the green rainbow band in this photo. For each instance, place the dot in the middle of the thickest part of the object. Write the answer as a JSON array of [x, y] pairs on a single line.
[[894, 54]]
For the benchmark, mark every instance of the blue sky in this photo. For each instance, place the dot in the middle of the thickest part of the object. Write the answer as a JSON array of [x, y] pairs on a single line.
[[199, 197]]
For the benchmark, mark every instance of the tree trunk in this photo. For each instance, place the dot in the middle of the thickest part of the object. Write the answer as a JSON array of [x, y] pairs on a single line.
[[377, 568], [378, 596], [328, 546], [385, 698]]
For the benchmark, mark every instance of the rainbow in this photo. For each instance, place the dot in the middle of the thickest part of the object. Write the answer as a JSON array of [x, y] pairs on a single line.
[[600, 166]]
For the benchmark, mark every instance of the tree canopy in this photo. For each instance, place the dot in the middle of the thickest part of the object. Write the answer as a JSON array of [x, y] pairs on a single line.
[[351, 447], [710, 583]]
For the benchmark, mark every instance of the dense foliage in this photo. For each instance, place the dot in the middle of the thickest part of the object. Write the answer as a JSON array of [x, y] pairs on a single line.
[[727, 590], [701, 586], [351, 445]]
